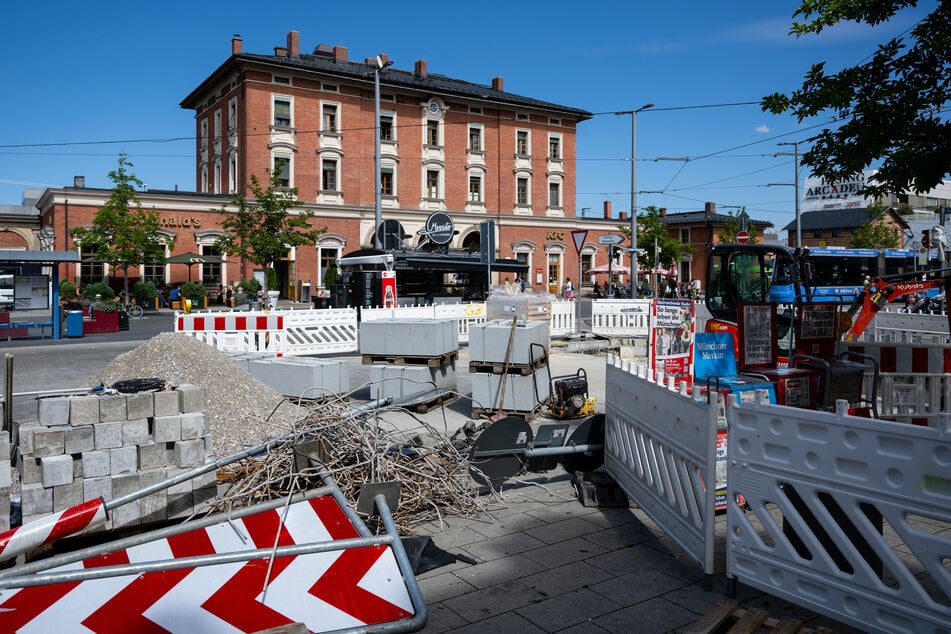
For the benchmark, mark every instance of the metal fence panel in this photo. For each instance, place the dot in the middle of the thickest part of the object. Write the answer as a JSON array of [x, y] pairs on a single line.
[[660, 447], [621, 317], [846, 516]]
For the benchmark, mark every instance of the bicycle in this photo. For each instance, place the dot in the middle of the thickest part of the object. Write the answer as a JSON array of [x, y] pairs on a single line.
[[134, 311]]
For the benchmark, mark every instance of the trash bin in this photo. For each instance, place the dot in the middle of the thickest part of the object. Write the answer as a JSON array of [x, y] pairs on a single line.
[[74, 323], [123, 320]]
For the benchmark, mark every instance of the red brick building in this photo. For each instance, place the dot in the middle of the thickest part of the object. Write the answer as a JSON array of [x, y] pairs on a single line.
[[472, 151]]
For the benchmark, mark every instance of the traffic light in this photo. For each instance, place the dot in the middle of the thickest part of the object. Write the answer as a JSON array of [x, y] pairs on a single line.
[[616, 252], [926, 239]]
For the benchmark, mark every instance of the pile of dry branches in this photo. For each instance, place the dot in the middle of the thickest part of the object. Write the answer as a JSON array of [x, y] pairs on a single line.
[[361, 448]]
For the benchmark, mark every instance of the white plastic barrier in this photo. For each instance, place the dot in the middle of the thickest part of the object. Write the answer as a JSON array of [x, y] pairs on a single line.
[[897, 327], [621, 317], [243, 331], [846, 516], [660, 447], [325, 331]]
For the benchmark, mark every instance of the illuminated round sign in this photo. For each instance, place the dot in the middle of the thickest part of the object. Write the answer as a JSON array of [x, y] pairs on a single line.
[[439, 228]]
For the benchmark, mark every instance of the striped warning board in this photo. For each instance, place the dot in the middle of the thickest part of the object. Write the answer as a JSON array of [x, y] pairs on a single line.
[[229, 322], [906, 358], [326, 590], [49, 529]]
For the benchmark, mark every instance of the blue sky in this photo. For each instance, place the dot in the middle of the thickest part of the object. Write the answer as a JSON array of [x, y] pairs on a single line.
[[83, 82]]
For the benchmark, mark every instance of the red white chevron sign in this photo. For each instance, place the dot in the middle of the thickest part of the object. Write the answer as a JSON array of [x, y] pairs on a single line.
[[325, 591]]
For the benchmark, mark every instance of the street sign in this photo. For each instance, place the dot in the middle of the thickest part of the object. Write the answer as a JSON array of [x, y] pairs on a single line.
[[345, 588], [611, 238], [578, 235], [743, 237]]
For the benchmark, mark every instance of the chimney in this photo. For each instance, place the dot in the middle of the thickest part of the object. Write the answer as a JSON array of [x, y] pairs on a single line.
[[607, 210], [710, 208], [79, 182], [622, 215], [663, 212], [340, 53], [236, 44], [280, 51], [498, 84], [293, 43], [420, 70]]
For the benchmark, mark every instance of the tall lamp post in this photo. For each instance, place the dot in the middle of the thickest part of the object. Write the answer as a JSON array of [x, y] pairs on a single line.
[[377, 162], [795, 184], [633, 114]]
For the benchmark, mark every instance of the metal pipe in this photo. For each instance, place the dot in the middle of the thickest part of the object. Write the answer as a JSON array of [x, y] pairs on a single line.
[[8, 395], [406, 568]]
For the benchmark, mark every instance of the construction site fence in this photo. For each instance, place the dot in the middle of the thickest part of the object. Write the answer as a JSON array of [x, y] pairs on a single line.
[[317, 331], [846, 516]]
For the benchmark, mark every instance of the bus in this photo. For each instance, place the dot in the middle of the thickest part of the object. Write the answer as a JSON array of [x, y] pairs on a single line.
[[840, 274]]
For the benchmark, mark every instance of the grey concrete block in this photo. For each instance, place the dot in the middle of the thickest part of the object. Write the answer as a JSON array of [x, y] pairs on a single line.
[[67, 495], [23, 435], [140, 405], [123, 460], [167, 428], [80, 439], [83, 410], [56, 470], [519, 391], [152, 456], [113, 408], [204, 497], [53, 411], [28, 468], [97, 488], [179, 504], [194, 425], [165, 403], [154, 508], [77, 466], [108, 435], [135, 432], [35, 499], [408, 337], [6, 476], [488, 342], [209, 448], [405, 381], [97, 463], [191, 398], [49, 442], [127, 515], [243, 359], [189, 453], [125, 484], [204, 480], [302, 376], [5, 453]]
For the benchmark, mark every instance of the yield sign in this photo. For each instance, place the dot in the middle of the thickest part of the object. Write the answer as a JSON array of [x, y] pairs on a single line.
[[578, 235], [326, 590]]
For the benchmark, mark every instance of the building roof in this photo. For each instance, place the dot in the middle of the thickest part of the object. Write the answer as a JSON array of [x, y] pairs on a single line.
[[835, 219], [37, 257], [323, 63], [703, 217]]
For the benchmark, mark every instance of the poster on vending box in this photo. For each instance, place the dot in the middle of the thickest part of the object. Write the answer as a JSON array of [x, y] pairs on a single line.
[[671, 336], [756, 326]]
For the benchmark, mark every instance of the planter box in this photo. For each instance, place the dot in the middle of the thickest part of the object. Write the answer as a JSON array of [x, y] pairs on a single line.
[[106, 322]]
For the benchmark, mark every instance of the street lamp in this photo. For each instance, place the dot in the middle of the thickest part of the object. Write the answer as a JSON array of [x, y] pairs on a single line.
[[795, 184], [377, 163], [633, 114]]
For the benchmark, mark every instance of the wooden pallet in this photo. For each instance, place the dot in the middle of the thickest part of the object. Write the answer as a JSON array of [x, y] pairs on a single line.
[[730, 617], [482, 412], [424, 405], [498, 367], [432, 362]]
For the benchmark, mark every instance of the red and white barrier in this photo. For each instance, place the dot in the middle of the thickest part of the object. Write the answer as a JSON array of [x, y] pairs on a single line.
[[229, 322], [906, 358], [47, 530]]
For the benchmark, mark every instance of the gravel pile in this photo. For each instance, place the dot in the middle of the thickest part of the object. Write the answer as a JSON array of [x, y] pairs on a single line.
[[238, 407]]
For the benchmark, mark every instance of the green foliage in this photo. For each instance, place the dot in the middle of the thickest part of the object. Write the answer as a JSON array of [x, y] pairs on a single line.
[[330, 275], [887, 109], [98, 288], [144, 294], [105, 306], [874, 234], [67, 290], [261, 228], [250, 286], [651, 233], [193, 291], [122, 233], [272, 279]]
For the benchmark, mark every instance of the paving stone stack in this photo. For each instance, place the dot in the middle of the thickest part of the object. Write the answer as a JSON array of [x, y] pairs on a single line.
[[109, 445], [522, 368], [298, 377], [410, 358]]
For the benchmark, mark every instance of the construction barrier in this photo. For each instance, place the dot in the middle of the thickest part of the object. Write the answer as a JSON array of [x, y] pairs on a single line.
[[660, 447], [621, 317], [845, 516]]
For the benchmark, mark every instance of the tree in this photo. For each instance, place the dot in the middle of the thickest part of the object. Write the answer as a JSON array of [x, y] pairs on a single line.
[[652, 234], [123, 233], [873, 233], [890, 107], [731, 227], [262, 228]]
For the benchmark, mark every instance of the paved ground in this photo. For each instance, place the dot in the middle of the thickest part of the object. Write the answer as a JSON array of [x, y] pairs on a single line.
[[545, 563]]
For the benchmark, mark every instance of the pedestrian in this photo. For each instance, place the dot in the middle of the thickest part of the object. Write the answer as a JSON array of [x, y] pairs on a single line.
[[221, 295], [569, 289]]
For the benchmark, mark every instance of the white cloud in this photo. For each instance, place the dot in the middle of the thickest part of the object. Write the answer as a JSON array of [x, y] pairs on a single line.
[[762, 129]]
